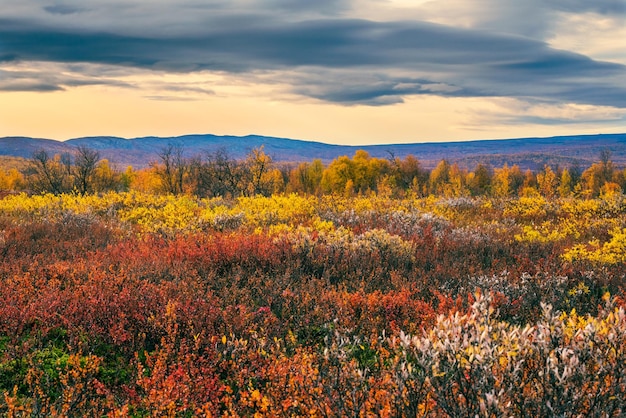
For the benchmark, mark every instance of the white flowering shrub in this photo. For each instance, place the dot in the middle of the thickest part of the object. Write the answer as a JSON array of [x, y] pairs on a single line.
[[564, 365]]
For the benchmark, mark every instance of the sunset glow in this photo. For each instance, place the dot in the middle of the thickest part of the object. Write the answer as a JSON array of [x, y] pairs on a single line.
[[336, 71]]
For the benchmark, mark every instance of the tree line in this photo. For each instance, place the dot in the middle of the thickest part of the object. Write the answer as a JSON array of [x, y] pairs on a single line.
[[217, 174]]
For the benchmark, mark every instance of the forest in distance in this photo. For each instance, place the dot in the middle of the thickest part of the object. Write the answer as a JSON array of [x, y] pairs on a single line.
[[366, 287], [219, 175]]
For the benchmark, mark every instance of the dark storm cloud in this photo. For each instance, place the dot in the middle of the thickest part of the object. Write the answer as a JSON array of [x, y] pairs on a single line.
[[352, 52], [375, 90]]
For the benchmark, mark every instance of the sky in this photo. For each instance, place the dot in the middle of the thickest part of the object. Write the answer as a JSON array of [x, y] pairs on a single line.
[[349, 72]]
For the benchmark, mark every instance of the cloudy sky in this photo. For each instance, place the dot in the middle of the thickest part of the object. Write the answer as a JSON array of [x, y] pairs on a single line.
[[336, 71]]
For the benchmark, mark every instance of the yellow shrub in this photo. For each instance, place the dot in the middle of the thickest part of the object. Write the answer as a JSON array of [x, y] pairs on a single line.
[[611, 252]]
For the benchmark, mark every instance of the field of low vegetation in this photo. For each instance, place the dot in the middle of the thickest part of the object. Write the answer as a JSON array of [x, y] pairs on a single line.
[[366, 287]]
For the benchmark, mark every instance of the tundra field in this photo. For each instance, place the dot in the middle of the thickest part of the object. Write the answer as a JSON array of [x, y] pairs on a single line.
[[348, 302]]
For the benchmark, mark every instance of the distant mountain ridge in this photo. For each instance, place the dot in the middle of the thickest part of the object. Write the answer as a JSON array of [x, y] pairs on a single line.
[[530, 153]]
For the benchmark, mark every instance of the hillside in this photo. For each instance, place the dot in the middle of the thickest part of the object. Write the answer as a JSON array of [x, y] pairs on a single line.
[[530, 153]]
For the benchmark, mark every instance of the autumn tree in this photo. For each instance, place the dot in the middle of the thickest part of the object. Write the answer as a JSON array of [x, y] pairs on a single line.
[[458, 182], [407, 173], [306, 177], [218, 175], [566, 185], [258, 163], [439, 178], [11, 179], [367, 171], [576, 172], [127, 177], [506, 181], [529, 185], [606, 164], [314, 173], [547, 182], [171, 168], [106, 177], [621, 179], [50, 174], [338, 175], [480, 183], [146, 180], [260, 175], [273, 181], [596, 176], [85, 164]]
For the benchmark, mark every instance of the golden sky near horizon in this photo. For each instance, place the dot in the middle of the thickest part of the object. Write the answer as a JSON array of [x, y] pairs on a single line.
[[347, 72]]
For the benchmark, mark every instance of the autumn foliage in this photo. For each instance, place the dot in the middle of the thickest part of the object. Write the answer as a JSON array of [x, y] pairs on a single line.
[[140, 304]]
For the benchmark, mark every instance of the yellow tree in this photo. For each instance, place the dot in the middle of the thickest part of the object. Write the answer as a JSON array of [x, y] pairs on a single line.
[[481, 180], [273, 181], [11, 180], [258, 165], [106, 178], [457, 184], [146, 180], [547, 182], [337, 175], [506, 181], [439, 178], [566, 186], [297, 179], [529, 185], [367, 171], [306, 177], [501, 182], [595, 177]]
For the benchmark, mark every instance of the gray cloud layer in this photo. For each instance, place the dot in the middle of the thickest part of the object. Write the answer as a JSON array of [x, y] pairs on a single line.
[[348, 61]]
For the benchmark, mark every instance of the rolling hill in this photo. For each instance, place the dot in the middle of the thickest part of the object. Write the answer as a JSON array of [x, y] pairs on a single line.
[[531, 153]]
